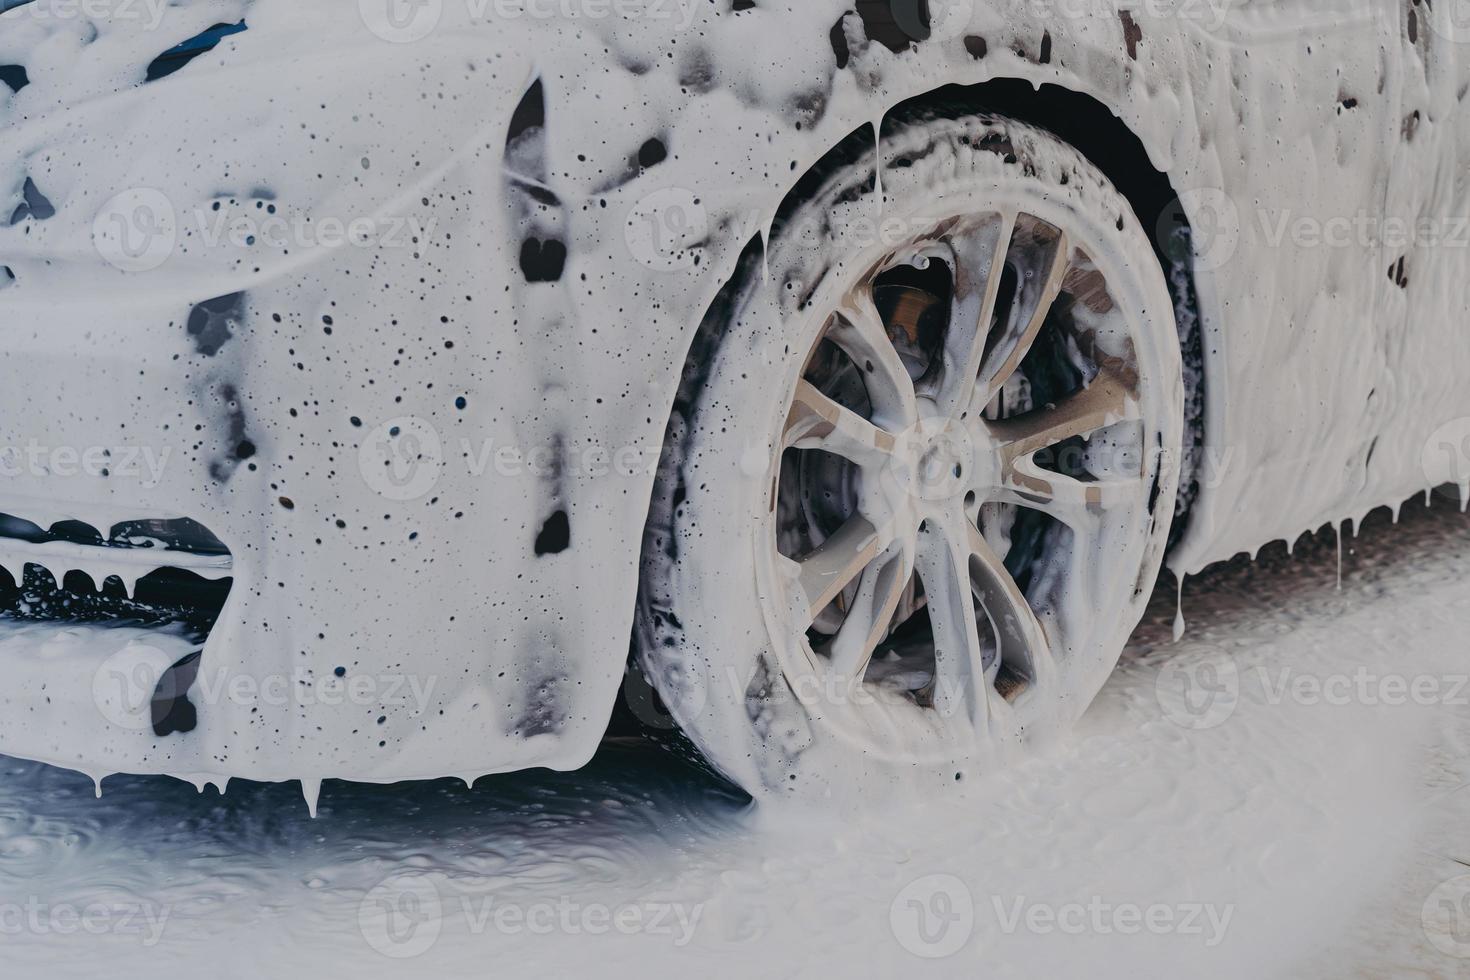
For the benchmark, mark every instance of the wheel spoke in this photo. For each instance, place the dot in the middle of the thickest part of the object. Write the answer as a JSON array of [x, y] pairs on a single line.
[[1076, 503], [861, 334], [867, 622], [960, 686], [1049, 259], [817, 421], [1018, 634], [979, 261], [831, 568], [1106, 400]]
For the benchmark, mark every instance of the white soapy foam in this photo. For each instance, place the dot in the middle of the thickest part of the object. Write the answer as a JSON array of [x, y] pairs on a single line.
[[1327, 368], [126, 564]]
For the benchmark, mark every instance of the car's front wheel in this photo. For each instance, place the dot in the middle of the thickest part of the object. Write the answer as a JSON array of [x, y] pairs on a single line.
[[921, 470]]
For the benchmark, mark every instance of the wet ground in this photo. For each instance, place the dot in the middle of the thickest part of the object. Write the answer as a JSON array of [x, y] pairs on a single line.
[[1282, 793]]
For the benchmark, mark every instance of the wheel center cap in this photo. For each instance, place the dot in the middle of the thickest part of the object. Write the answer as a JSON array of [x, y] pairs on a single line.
[[941, 460], [936, 460]]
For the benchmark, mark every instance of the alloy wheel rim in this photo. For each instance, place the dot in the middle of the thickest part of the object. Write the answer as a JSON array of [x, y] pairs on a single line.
[[921, 460]]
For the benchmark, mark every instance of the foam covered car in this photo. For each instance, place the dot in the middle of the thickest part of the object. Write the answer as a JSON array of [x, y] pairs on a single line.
[[371, 373]]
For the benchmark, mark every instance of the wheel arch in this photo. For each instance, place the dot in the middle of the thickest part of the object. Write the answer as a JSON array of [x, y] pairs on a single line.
[[1077, 118], [1096, 132]]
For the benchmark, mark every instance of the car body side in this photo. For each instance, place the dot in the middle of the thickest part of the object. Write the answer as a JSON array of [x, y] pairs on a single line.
[[524, 325]]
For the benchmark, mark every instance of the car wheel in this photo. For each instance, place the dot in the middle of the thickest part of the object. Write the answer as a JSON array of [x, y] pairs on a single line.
[[920, 471]]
